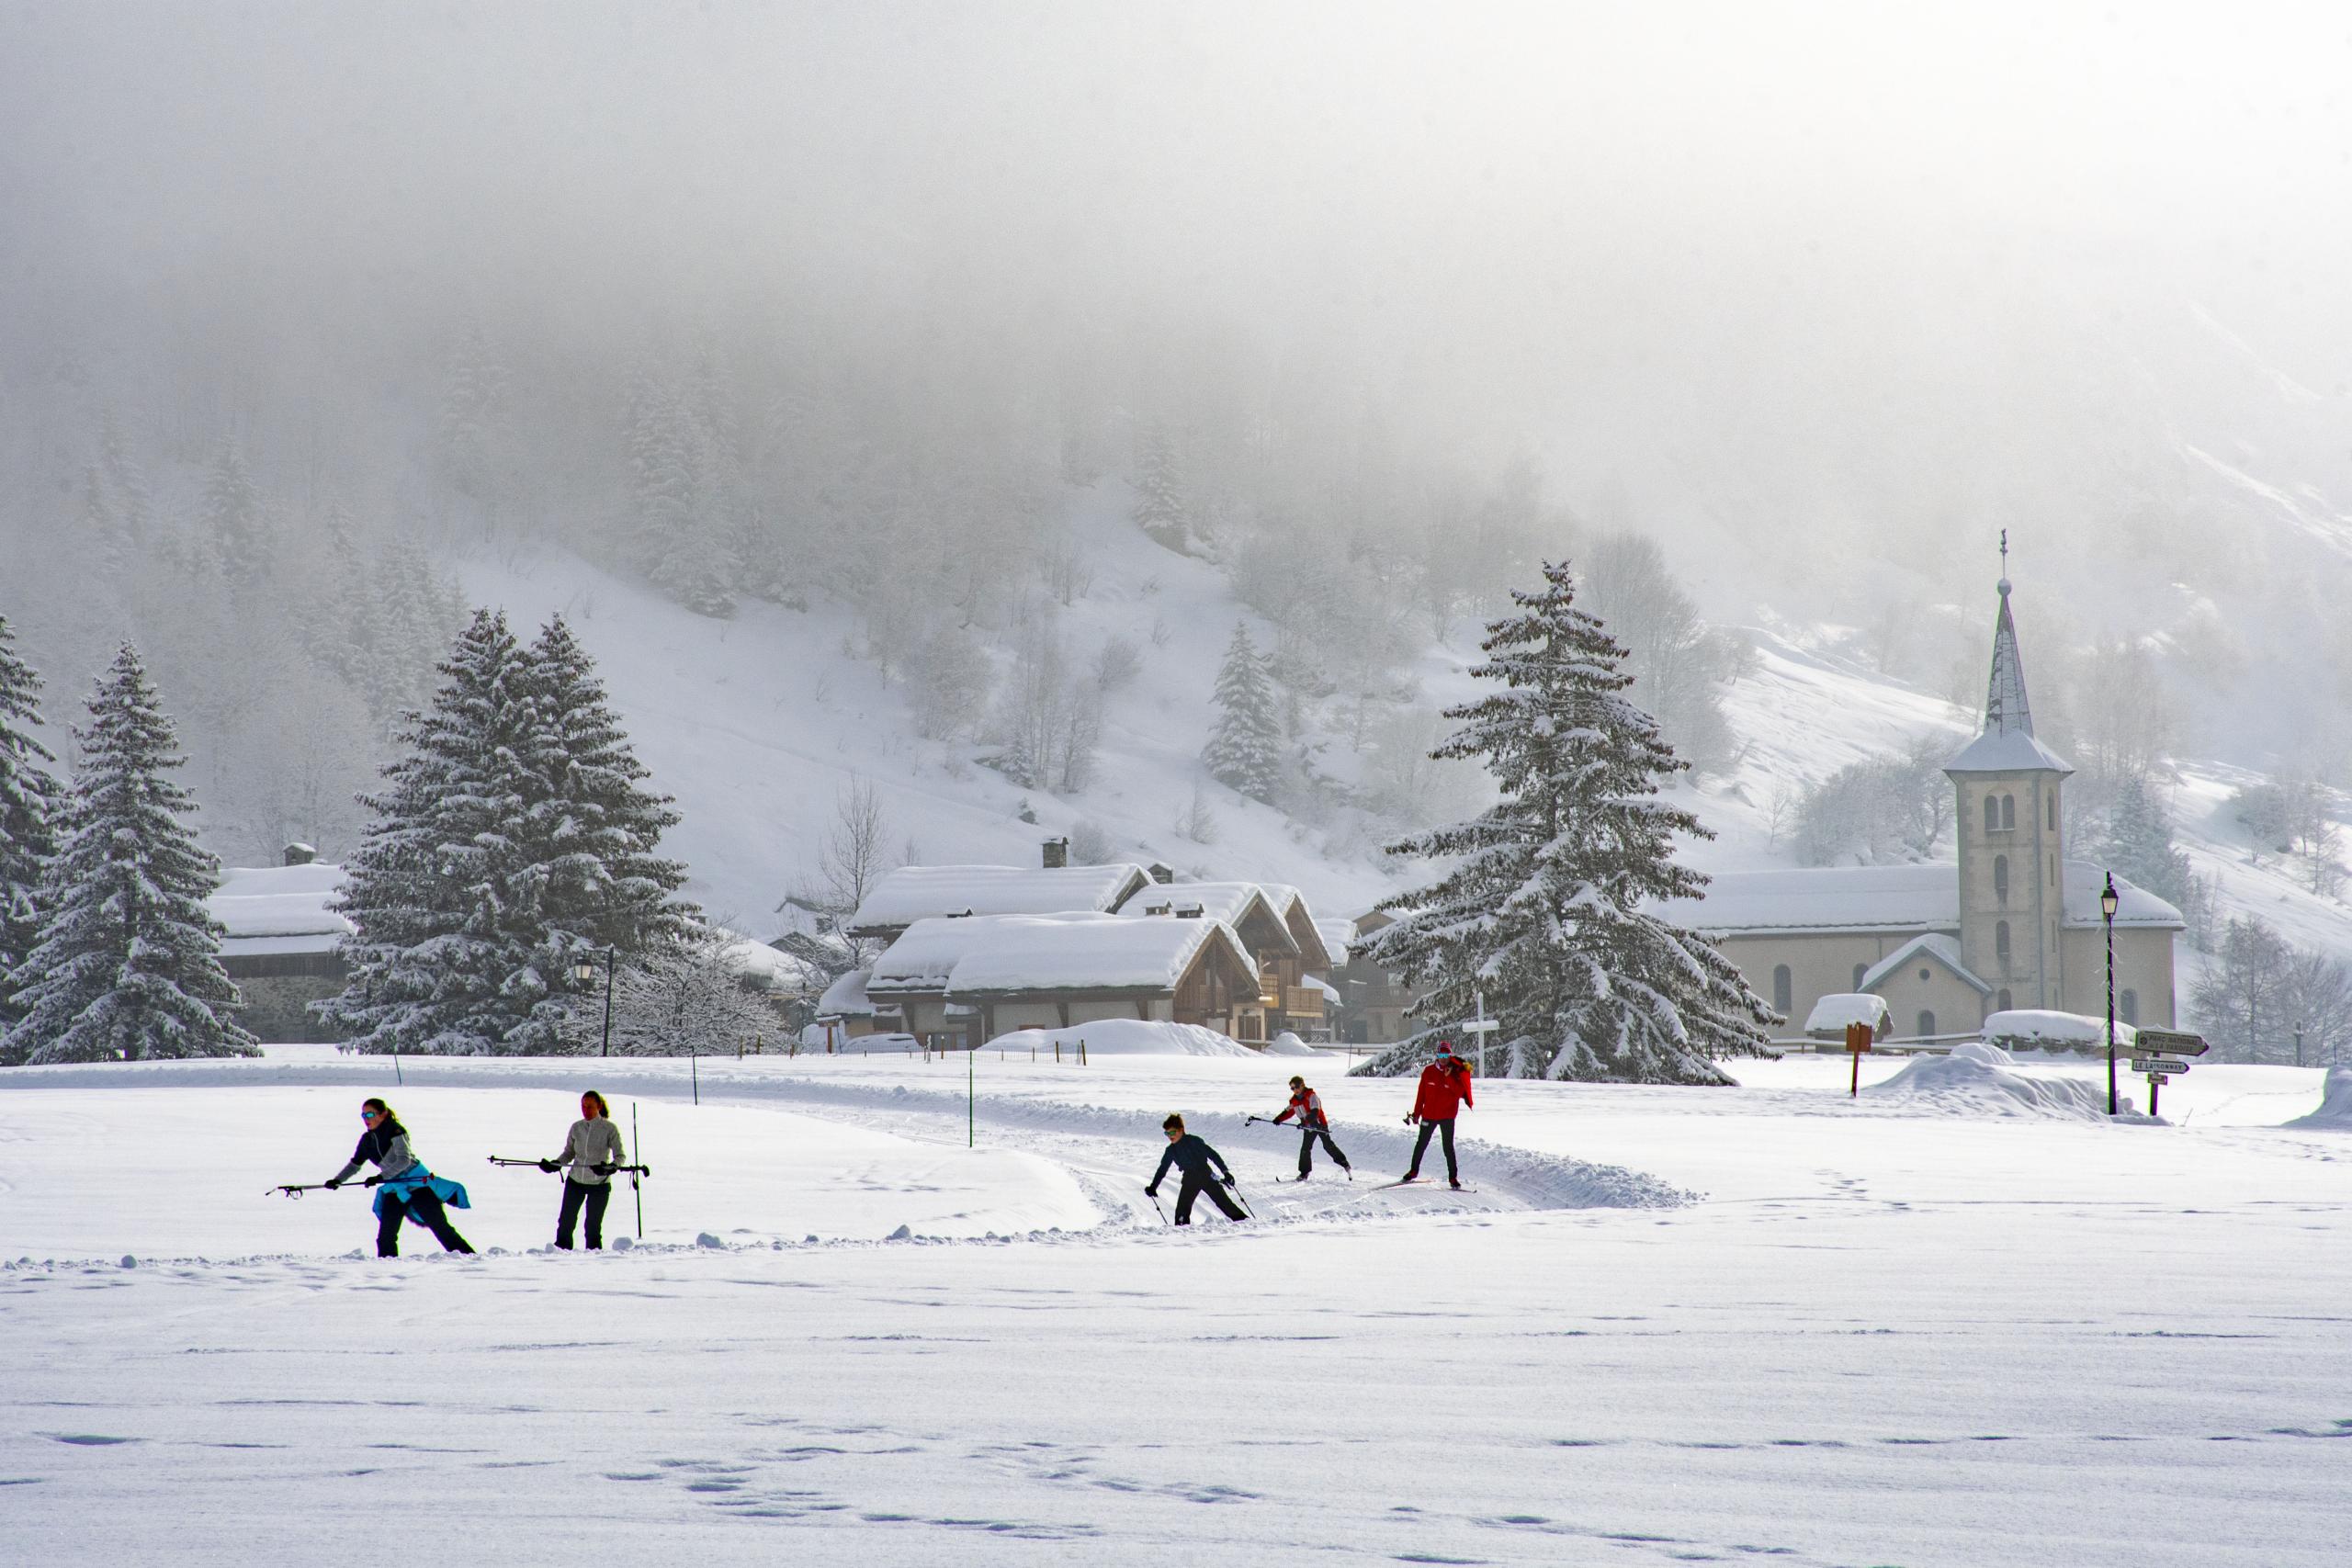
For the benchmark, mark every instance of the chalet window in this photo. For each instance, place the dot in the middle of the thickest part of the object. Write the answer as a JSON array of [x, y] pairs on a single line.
[[2001, 878], [2127, 1007], [1992, 813], [1860, 970], [2002, 1002], [1927, 1024], [1783, 989], [2001, 942], [2008, 811]]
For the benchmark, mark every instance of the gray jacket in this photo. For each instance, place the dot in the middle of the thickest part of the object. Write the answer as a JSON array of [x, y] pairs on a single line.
[[592, 1142], [387, 1144]]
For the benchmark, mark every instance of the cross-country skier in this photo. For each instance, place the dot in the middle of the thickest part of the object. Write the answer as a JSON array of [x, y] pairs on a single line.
[[1443, 1094], [407, 1190], [592, 1149], [1194, 1154], [1307, 1106]]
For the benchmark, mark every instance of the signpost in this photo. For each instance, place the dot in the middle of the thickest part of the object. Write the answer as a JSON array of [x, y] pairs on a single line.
[[2158, 1053], [1482, 1026], [1858, 1040]]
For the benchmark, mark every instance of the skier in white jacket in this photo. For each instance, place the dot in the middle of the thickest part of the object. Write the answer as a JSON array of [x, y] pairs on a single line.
[[592, 1149]]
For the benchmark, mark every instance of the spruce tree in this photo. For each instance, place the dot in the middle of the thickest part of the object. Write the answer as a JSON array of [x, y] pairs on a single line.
[[1159, 509], [1244, 748], [30, 806], [2138, 842], [447, 891], [596, 827], [234, 528], [1542, 910], [128, 966]]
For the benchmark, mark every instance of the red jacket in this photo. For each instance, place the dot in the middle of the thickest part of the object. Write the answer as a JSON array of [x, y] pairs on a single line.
[[1307, 1106], [1444, 1091]]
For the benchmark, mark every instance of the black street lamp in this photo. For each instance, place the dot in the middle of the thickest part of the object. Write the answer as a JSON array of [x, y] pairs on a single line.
[[585, 971], [2108, 899]]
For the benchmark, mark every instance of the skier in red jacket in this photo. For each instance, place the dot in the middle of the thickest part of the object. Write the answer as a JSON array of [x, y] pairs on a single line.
[[1444, 1091], [1307, 1106]]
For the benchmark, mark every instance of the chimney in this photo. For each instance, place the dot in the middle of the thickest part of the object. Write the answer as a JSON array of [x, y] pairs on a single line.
[[301, 854], [1056, 854]]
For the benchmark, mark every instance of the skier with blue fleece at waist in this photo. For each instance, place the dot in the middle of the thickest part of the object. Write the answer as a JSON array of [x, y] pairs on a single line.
[[408, 1190], [1195, 1155]]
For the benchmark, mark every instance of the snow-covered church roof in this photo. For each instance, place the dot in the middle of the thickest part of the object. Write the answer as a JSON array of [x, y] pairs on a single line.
[[2007, 745], [1936, 945], [914, 893], [992, 955], [1887, 900], [278, 909]]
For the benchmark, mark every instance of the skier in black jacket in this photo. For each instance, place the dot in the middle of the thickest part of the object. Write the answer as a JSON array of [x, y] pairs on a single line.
[[1195, 1156]]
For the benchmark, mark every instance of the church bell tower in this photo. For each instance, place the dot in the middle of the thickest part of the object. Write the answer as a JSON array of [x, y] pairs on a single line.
[[2006, 787]]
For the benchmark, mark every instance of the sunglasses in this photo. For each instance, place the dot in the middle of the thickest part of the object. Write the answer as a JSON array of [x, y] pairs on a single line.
[[369, 1115]]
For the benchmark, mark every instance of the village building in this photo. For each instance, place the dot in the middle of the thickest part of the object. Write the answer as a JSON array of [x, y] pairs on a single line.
[[913, 893], [2015, 924], [283, 947], [1294, 992]]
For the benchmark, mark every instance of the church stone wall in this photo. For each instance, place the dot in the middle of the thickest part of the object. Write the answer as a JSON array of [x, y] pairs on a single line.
[[1820, 965], [2143, 964], [1929, 987], [2035, 970]]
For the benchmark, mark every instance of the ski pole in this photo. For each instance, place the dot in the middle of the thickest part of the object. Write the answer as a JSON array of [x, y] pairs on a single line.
[[636, 1181], [1154, 1205], [296, 1189], [1234, 1187]]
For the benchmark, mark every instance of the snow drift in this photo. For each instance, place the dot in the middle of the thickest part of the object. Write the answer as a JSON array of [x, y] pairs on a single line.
[[1968, 1086], [1127, 1037], [2335, 1112]]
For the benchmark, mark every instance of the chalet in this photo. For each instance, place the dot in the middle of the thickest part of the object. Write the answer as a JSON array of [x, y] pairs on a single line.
[[1284, 941], [961, 980], [283, 942], [915, 892]]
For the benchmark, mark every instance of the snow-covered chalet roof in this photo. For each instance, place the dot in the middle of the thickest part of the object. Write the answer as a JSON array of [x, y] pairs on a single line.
[[914, 893], [1232, 902], [1935, 945], [1888, 899], [845, 998], [978, 957], [278, 909]]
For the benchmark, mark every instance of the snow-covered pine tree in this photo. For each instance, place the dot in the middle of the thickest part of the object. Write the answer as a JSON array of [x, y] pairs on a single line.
[[595, 825], [30, 806], [1244, 748], [1542, 910], [1160, 508], [447, 891], [2138, 841], [683, 536], [234, 528], [128, 966]]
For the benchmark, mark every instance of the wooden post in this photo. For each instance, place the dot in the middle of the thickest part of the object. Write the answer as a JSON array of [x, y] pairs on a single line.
[[1858, 1040]]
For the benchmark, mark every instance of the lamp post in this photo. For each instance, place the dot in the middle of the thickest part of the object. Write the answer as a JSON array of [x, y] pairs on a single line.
[[585, 971], [2108, 899]]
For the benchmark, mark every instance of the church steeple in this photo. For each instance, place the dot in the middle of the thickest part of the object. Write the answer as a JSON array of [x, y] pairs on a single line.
[[2006, 743]]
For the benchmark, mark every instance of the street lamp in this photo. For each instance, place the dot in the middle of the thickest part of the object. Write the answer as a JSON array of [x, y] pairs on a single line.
[[583, 971], [2108, 899]]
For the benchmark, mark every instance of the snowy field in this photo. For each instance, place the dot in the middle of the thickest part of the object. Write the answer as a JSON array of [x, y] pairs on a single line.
[[1769, 1324]]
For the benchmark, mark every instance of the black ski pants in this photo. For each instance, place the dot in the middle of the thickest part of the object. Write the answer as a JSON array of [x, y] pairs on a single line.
[[595, 1196], [1421, 1146], [1306, 1149], [1194, 1186], [425, 1209]]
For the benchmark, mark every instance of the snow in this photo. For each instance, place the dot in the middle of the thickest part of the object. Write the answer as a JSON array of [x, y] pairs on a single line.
[[2026, 1028], [279, 909], [1966, 1084], [846, 998], [1945, 950], [1881, 1332], [1288, 1045], [1123, 1037], [1833, 1013], [914, 892], [1876, 897], [2007, 751], [2335, 1112]]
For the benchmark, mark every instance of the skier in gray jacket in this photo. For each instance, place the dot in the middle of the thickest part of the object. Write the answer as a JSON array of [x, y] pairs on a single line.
[[591, 1149]]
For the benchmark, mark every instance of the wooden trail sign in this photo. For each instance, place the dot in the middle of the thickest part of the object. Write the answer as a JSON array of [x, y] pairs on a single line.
[[1858, 1040]]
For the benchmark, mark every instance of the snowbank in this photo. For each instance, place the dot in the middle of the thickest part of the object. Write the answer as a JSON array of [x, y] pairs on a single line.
[[2037, 1029], [1127, 1037], [1289, 1044], [2335, 1112], [1968, 1084], [1833, 1012]]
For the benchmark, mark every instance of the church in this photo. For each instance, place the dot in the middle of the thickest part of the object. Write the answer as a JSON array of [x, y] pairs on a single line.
[[2015, 924]]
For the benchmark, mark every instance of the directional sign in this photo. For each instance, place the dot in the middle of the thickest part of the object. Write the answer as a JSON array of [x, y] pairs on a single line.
[[2158, 1065], [1481, 1026], [2168, 1042]]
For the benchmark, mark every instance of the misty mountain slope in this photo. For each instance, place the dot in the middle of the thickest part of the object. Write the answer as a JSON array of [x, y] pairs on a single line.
[[757, 724]]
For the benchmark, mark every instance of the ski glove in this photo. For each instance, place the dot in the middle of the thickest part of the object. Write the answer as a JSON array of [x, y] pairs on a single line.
[[1229, 1179], [605, 1169], [371, 1182], [548, 1166], [1151, 1191], [335, 1183]]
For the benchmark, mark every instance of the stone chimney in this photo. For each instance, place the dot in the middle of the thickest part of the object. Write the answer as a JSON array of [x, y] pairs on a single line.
[[1056, 854], [301, 854]]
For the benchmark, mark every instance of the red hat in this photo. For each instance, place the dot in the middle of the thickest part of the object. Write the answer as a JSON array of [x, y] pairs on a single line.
[[1445, 1047]]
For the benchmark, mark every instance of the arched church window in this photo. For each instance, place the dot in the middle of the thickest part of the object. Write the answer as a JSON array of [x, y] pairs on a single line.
[[1783, 989], [2002, 1003], [2127, 1007], [1927, 1024], [1992, 813], [2001, 942], [1860, 970], [2001, 878], [2008, 811]]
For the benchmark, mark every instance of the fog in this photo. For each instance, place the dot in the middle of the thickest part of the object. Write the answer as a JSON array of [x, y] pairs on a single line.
[[1820, 298]]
